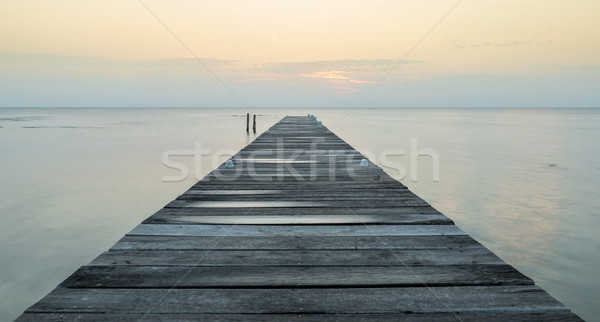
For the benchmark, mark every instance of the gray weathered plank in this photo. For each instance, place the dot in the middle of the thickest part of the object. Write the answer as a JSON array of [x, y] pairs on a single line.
[[298, 203], [306, 185], [298, 211], [304, 230], [122, 276], [418, 300], [232, 242], [408, 317], [458, 256], [405, 219], [285, 194]]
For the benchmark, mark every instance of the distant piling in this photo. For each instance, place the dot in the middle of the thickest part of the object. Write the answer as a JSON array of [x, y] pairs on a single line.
[[254, 124], [247, 122]]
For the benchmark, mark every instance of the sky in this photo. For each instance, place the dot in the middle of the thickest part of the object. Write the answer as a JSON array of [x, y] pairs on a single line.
[[176, 53]]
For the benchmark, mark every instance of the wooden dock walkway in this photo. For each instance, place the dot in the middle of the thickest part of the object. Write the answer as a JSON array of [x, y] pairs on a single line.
[[298, 228]]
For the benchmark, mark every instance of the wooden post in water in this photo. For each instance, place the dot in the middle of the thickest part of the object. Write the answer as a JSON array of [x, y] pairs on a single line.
[[247, 122], [254, 124]]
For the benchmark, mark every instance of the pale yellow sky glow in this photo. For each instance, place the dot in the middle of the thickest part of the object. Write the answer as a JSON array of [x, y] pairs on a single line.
[[305, 43]]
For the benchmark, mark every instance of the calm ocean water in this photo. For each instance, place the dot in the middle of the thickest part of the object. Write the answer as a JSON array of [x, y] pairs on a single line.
[[524, 182]]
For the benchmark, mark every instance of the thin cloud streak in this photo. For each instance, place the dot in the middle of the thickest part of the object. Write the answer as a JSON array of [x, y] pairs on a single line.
[[336, 75]]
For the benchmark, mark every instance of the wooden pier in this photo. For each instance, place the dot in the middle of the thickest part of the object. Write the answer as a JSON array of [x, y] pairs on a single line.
[[300, 226]]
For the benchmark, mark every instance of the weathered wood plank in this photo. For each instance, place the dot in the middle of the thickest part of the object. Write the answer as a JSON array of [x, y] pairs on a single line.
[[285, 194], [321, 167], [312, 185], [249, 179], [478, 255], [405, 219], [408, 317], [364, 203], [298, 211], [252, 179], [120, 276], [299, 197], [232, 242], [380, 199], [417, 300], [304, 230]]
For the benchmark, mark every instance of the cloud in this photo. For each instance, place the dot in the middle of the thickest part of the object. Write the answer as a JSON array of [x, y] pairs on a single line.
[[582, 68], [340, 83], [65, 80], [70, 59], [190, 66], [336, 75], [344, 90], [211, 62], [515, 43], [307, 67], [63, 63]]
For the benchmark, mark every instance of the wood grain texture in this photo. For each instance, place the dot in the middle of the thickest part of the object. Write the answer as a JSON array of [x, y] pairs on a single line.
[[320, 257], [416, 300], [304, 230], [120, 276], [408, 317], [405, 219], [435, 242]]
